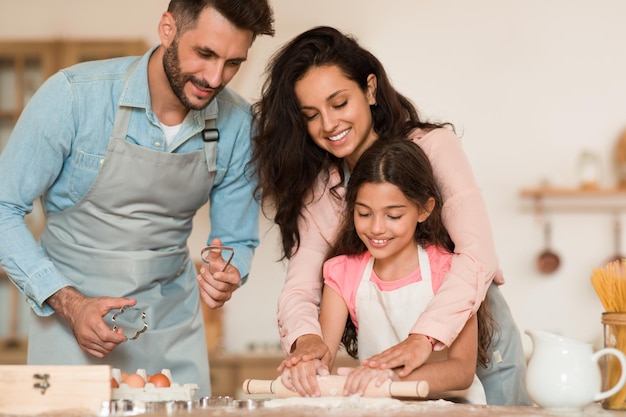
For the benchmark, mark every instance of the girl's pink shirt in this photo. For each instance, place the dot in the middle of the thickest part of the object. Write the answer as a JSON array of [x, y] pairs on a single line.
[[343, 274], [474, 264]]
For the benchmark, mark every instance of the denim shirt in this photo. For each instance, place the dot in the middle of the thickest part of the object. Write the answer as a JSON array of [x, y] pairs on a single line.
[[57, 146]]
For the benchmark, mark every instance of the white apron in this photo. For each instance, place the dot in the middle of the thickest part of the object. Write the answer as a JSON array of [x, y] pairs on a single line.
[[127, 237], [386, 318]]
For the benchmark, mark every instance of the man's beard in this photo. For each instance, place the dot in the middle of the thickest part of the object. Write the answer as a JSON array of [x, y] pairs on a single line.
[[177, 80]]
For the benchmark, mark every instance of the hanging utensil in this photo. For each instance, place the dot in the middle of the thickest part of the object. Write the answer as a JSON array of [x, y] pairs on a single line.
[[547, 261], [617, 240]]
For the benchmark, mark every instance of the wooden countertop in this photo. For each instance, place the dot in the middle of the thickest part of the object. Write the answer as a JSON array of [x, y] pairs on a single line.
[[411, 409], [422, 409]]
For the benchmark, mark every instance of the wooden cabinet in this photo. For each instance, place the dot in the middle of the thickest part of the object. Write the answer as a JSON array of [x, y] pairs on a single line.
[[72, 52], [13, 351], [25, 65]]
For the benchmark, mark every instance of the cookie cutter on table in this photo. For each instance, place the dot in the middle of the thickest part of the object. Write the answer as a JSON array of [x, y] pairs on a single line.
[[129, 319], [207, 250], [213, 402], [227, 402]]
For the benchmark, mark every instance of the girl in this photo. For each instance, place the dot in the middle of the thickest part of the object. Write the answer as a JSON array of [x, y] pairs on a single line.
[[389, 259], [325, 101]]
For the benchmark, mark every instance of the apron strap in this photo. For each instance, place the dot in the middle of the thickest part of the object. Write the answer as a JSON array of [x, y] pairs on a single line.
[[122, 118]]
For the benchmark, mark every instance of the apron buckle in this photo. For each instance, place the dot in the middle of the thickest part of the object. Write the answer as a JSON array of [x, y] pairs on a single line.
[[210, 135]]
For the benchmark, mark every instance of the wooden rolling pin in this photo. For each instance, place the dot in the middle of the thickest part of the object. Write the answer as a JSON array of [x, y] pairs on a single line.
[[332, 386]]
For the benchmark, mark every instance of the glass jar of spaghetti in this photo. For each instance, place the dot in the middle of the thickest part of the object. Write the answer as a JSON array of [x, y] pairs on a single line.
[[615, 337]]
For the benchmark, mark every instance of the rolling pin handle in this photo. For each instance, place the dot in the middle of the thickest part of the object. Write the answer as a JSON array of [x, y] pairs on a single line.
[[258, 386], [409, 389]]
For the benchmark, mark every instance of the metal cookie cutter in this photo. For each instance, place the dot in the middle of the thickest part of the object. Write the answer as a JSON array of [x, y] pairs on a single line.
[[205, 253], [130, 318]]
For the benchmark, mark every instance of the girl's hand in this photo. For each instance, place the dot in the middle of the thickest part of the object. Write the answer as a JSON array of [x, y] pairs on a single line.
[[360, 377], [410, 354]]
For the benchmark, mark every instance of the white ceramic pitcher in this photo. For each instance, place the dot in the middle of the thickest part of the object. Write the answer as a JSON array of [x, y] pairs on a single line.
[[564, 374]]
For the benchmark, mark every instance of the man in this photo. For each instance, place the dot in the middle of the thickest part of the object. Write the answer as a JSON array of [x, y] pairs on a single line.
[[123, 152]]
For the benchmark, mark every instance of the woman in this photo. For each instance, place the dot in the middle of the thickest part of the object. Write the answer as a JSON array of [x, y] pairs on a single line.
[[325, 101]]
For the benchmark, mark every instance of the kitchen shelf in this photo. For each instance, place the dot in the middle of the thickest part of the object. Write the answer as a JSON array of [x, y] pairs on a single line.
[[547, 192], [596, 199]]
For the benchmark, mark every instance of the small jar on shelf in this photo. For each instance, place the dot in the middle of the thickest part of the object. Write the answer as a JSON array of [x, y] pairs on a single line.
[[589, 170]]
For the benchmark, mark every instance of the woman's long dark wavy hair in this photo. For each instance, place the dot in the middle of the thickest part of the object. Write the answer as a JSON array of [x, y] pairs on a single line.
[[286, 160], [401, 162]]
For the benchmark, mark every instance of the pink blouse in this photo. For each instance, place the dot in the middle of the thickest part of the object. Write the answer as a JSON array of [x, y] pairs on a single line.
[[474, 264]]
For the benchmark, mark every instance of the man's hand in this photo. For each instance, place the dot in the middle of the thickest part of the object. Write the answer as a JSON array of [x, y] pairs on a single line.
[[410, 354], [85, 317], [309, 358], [217, 286]]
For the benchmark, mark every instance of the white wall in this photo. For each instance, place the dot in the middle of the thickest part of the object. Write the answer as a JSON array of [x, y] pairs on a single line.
[[528, 83]]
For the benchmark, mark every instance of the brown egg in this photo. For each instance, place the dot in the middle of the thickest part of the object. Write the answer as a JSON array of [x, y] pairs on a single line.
[[114, 383], [160, 380], [134, 381]]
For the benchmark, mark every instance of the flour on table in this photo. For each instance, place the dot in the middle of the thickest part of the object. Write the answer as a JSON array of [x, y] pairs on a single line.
[[351, 402]]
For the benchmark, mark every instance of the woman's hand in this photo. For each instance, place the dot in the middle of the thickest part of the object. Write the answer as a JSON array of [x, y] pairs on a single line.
[[409, 354], [302, 377], [360, 377], [300, 369], [306, 348]]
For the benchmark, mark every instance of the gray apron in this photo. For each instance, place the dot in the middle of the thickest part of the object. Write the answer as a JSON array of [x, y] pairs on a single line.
[[127, 237]]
